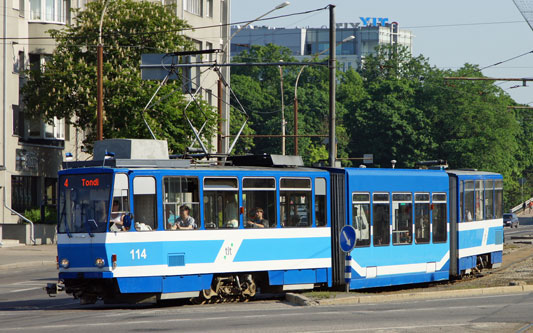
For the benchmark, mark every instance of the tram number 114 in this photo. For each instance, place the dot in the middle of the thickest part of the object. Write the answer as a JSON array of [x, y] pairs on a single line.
[[138, 254]]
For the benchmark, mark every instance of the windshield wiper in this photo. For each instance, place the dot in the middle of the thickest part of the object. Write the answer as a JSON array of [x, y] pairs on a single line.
[[89, 226]]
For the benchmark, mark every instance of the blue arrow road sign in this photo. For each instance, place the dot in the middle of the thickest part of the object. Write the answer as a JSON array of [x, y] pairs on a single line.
[[347, 238]]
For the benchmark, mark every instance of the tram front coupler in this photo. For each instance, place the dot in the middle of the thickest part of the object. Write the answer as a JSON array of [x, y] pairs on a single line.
[[53, 288]]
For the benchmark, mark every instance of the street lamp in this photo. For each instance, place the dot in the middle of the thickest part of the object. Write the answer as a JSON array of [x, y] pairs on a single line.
[[281, 5], [227, 57], [347, 39]]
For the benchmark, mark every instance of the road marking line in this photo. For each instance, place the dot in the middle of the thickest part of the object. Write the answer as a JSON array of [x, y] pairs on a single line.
[[20, 290]]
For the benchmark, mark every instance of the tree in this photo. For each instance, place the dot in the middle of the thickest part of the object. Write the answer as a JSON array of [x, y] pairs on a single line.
[[66, 87], [382, 114], [258, 88]]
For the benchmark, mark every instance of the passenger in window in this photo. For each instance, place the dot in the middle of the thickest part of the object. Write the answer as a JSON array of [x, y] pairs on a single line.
[[468, 216], [231, 212], [257, 220], [117, 217], [171, 220], [294, 217], [184, 221]]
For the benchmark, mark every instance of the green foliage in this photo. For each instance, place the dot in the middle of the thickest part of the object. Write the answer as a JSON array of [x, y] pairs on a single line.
[[259, 91], [34, 215], [67, 86]]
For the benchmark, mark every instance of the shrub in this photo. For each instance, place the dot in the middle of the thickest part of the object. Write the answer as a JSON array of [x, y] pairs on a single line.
[[34, 215]]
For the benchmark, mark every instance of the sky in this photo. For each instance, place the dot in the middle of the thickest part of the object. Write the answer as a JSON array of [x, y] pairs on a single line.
[[449, 33]]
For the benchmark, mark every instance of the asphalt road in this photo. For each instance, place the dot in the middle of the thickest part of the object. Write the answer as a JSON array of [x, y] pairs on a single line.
[[524, 229], [24, 307]]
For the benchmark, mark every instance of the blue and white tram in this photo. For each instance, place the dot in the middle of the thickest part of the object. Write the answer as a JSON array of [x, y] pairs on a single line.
[[122, 236], [476, 220]]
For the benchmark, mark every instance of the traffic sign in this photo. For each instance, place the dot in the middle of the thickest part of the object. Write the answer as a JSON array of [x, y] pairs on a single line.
[[347, 238]]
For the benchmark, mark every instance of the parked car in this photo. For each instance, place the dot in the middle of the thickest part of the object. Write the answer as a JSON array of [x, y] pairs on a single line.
[[510, 219]]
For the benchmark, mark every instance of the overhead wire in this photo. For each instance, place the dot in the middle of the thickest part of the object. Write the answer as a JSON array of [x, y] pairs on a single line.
[[504, 61]]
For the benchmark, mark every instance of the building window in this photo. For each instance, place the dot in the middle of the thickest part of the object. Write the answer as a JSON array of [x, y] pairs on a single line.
[[193, 6], [18, 121], [50, 188], [22, 8], [47, 10], [209, 8], [209, 46], [39, 129], [18, 67], [24, 193]]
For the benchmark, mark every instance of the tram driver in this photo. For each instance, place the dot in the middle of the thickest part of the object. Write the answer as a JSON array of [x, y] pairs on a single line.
[[117, 217]]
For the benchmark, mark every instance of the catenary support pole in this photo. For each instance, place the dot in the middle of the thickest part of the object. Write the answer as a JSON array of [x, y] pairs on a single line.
[[332, 78]]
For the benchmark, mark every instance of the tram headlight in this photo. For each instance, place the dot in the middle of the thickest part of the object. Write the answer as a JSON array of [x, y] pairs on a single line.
[[99, 262], [65, 263]]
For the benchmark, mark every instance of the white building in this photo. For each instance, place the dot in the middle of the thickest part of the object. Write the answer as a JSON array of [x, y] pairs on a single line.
[[307, 42], [32, 150]]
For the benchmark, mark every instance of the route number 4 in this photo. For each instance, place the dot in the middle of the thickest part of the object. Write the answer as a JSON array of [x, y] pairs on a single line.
[[138, 254]]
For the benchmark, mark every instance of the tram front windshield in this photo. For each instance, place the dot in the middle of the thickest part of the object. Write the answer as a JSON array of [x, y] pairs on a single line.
[[84, 203]]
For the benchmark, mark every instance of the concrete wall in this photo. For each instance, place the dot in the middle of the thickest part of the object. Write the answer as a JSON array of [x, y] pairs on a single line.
[[44, 233]]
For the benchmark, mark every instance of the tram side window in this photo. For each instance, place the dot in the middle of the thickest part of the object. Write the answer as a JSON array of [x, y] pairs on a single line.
[[120, 204], [469, 200], [381, 219], [498, 198], [144, 203], [259, 195], [422, 218], [295, 202], [479, 200], [321, 208], [440, 228], [489, 199], [181, 203], [361, 218], [402, 218], [221, 204]]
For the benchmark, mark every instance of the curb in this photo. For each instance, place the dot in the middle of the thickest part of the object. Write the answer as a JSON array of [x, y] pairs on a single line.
[[298, 299], [301, 300], [27, 264]]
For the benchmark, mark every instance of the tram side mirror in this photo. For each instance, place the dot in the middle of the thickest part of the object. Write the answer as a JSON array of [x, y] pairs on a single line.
[[128, 218]]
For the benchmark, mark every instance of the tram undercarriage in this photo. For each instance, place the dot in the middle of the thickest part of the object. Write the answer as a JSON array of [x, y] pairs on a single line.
[[224, 289], [228, 288]]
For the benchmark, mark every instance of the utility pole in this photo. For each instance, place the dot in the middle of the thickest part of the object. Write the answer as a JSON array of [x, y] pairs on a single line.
[[282, 112], [100, 80], [332, 79]]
